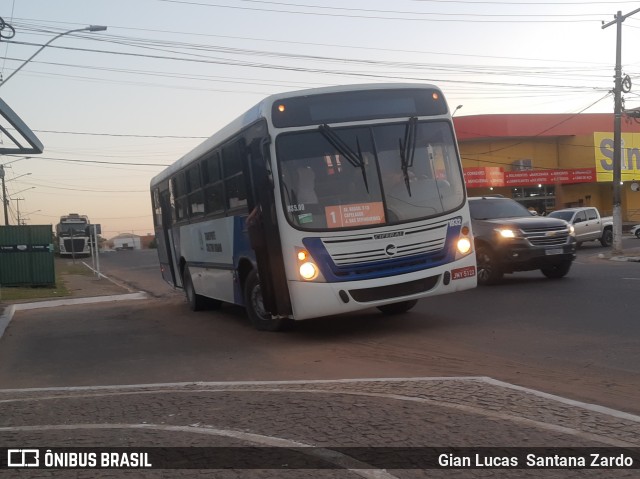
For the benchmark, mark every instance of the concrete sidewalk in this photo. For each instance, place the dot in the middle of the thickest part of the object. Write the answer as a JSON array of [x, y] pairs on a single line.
[[82, 288]]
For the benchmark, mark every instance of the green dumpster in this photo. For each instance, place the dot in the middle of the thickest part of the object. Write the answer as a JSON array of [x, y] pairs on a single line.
[[26, 256]]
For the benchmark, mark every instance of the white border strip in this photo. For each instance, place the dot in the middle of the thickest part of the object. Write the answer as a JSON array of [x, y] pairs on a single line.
[[9, 311], [484, 379], [5, 318], [73, 301]]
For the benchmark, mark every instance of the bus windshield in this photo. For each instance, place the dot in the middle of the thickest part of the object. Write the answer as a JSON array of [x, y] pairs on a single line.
[[369, 175]]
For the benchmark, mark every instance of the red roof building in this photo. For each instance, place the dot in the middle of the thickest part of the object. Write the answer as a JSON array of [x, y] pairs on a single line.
[[550, 161]]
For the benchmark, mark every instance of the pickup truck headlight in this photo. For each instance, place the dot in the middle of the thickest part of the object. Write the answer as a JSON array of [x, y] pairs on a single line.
[[508, 232], [572, 230]]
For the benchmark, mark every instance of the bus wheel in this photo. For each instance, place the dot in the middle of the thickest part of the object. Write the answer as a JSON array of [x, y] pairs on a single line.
[[398, 308], [260, 318], [196, 302]]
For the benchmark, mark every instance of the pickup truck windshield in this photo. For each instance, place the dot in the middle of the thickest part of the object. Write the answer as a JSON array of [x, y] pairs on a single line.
[[563, 215], [368, 175]]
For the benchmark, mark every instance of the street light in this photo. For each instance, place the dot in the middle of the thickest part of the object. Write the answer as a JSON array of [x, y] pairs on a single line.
[[18, 159], [25, 217], [9, 197], [16, 177], [454, 111], [90, 28], [18, 192]]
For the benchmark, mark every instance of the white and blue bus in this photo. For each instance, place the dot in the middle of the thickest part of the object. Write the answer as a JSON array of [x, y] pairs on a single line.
[[320, 202]]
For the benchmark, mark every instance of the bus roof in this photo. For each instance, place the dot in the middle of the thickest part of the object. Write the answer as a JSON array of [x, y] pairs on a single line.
[[262, 110]]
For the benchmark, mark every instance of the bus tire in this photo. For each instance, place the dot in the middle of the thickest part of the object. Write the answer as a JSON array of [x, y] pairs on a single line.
[[196, 302], [398, 308], [260, 318]]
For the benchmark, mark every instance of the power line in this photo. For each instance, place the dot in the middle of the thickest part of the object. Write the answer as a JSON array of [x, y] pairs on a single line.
[[92, 190], [330, 45], [123, 135], [414, 19], [475, 70], [467, 2], [99, 162], [299, 69]]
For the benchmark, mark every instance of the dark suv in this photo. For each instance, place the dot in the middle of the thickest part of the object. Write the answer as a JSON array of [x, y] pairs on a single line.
[[509, 238]]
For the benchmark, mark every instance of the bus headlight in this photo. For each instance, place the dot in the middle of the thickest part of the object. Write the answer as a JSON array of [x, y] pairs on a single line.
[[307, 269], [464, 245]]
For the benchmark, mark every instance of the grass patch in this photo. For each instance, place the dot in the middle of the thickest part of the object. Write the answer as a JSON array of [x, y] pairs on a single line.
[[63, 267], [68, 267], [20, 293]]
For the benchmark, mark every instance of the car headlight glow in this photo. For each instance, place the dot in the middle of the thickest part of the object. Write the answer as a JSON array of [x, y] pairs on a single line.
[[572, 230], [506, 233]]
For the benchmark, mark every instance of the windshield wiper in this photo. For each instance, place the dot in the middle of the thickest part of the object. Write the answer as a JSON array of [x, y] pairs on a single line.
[[356, 159], [407, 150]]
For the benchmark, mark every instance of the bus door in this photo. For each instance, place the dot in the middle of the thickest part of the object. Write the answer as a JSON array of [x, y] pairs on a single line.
[[163, 237], [263, 231]]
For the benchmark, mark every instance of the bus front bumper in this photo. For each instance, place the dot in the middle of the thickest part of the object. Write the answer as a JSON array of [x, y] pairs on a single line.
[[312, 300]]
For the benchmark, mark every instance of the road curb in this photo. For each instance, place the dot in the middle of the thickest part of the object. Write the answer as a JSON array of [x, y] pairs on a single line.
[[7, 314]]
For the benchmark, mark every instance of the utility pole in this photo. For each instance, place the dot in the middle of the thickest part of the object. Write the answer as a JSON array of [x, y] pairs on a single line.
[[18, 208], [617, 134], [4, 196]]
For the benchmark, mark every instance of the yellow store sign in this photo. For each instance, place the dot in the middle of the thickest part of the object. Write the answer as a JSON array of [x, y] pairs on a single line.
[[630, 165]]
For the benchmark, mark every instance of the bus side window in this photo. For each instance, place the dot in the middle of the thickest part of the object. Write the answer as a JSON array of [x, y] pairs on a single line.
[[180, 208], [234, 181], [195, 203], [213, 184], [178, 198], [157, 209], [214, 198]]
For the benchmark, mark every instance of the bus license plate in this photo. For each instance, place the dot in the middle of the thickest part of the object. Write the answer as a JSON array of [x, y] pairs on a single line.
[[554, 251], [460, 273]]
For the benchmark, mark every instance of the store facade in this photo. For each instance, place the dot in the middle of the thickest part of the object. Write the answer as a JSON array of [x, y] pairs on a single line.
[[552, 161]]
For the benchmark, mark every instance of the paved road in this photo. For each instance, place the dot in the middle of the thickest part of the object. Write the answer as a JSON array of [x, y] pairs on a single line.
[[575, 337], [150, 373]]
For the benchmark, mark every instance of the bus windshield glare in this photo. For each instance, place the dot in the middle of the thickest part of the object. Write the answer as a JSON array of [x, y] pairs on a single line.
[[369, 175]]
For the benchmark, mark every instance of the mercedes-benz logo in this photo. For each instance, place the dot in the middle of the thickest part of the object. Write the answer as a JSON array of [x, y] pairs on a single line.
[[390, 250]]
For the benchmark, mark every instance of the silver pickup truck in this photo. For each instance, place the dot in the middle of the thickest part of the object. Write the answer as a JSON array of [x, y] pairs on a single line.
[[588, 224]]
